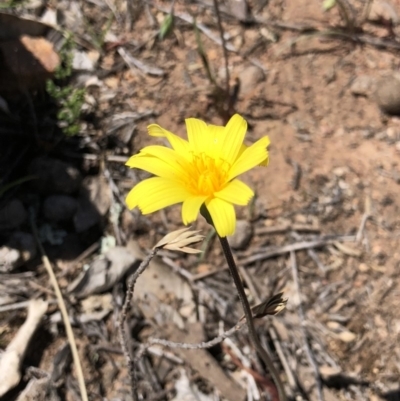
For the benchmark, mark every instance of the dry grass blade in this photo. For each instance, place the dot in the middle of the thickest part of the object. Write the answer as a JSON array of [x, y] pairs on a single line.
[[179, 239], [63, 310]]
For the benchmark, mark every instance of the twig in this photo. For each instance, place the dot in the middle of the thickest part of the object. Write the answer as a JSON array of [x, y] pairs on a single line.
[[244, 363], [311, 253], [135, 64], [124, 312], [20, 305], [302, 318], [63, 310], [360, 232], [190, 20], [282, 357], [271, 331], [172, 344], [225, 51], [287, 227], [11, 359], [281, 250]]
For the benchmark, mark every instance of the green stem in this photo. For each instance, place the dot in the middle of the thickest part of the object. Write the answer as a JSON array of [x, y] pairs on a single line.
[[249, 318]]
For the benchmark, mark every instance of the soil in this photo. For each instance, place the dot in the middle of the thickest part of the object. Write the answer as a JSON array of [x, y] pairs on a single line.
[[334, 169]]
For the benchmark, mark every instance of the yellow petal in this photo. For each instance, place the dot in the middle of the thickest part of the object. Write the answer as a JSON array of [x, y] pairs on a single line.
[[251, 157], [177, 143], [156, 166], [160, 161], [223, 216], [235, 192], [154, 194], [234, 134], [198, 134], [191, 207], [244, 147], [216, 135]]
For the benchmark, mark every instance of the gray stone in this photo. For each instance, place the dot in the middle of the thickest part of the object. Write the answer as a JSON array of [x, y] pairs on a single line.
[[20, 249], [58, 208], [362, 86], [55, 176], [12, 215], [94, 201], [242, 235], [387, 94], [250, 77]]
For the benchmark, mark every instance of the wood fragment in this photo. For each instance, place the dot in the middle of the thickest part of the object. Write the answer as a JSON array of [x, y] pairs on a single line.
[[135, 64], [13, 356], [302, 317]]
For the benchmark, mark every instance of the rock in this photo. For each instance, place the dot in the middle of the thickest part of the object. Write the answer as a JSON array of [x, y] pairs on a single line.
[[8, 259], [59, 208], [94, 202], [12, 215], [84, 61], [249, 78], [347, 336], [27, 62], [387, 94], [105, 271], [242, 235], [55, 176], [25, 243], [382, 10], [20, 249], [362, 86], [239, 9]]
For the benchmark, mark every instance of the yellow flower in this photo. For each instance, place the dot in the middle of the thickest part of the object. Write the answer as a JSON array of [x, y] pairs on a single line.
[[199, 171]]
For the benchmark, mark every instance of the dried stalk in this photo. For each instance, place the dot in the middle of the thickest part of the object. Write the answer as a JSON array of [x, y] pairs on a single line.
[[249, 318], [63, 310], [124, 313]]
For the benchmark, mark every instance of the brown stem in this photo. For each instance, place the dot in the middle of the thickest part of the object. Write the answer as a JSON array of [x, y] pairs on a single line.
[[124, 313], [221, 31], [249, 318]]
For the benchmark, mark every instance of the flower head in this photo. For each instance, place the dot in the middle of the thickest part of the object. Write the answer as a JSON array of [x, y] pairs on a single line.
[[197, 171]]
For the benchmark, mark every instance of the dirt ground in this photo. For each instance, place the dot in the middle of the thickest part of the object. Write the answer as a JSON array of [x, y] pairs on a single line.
[[324, 227]]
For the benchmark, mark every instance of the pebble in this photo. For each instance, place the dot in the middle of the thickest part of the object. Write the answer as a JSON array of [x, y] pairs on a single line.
[[382, 10], [94, 202], [55, 176], [12, 215], [347, 336], [387, 94], [242, 235], [362, 85], [20, 249], [250, 77], [58, 208]]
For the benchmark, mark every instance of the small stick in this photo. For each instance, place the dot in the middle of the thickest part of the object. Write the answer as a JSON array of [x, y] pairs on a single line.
[[275, 251], [11, 359], [63, 310], [302, 318], [202, 345], [271, 331], [124, 313], [282, 357], [225, 51]]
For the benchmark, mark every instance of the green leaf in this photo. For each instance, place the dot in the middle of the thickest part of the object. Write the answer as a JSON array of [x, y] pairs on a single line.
[[166, 26]]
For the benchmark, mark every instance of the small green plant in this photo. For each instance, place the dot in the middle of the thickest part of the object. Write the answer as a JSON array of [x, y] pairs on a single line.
[[11, 4], [68, 98]]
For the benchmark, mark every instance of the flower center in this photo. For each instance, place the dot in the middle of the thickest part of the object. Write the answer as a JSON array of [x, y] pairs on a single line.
[[207, 175]]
